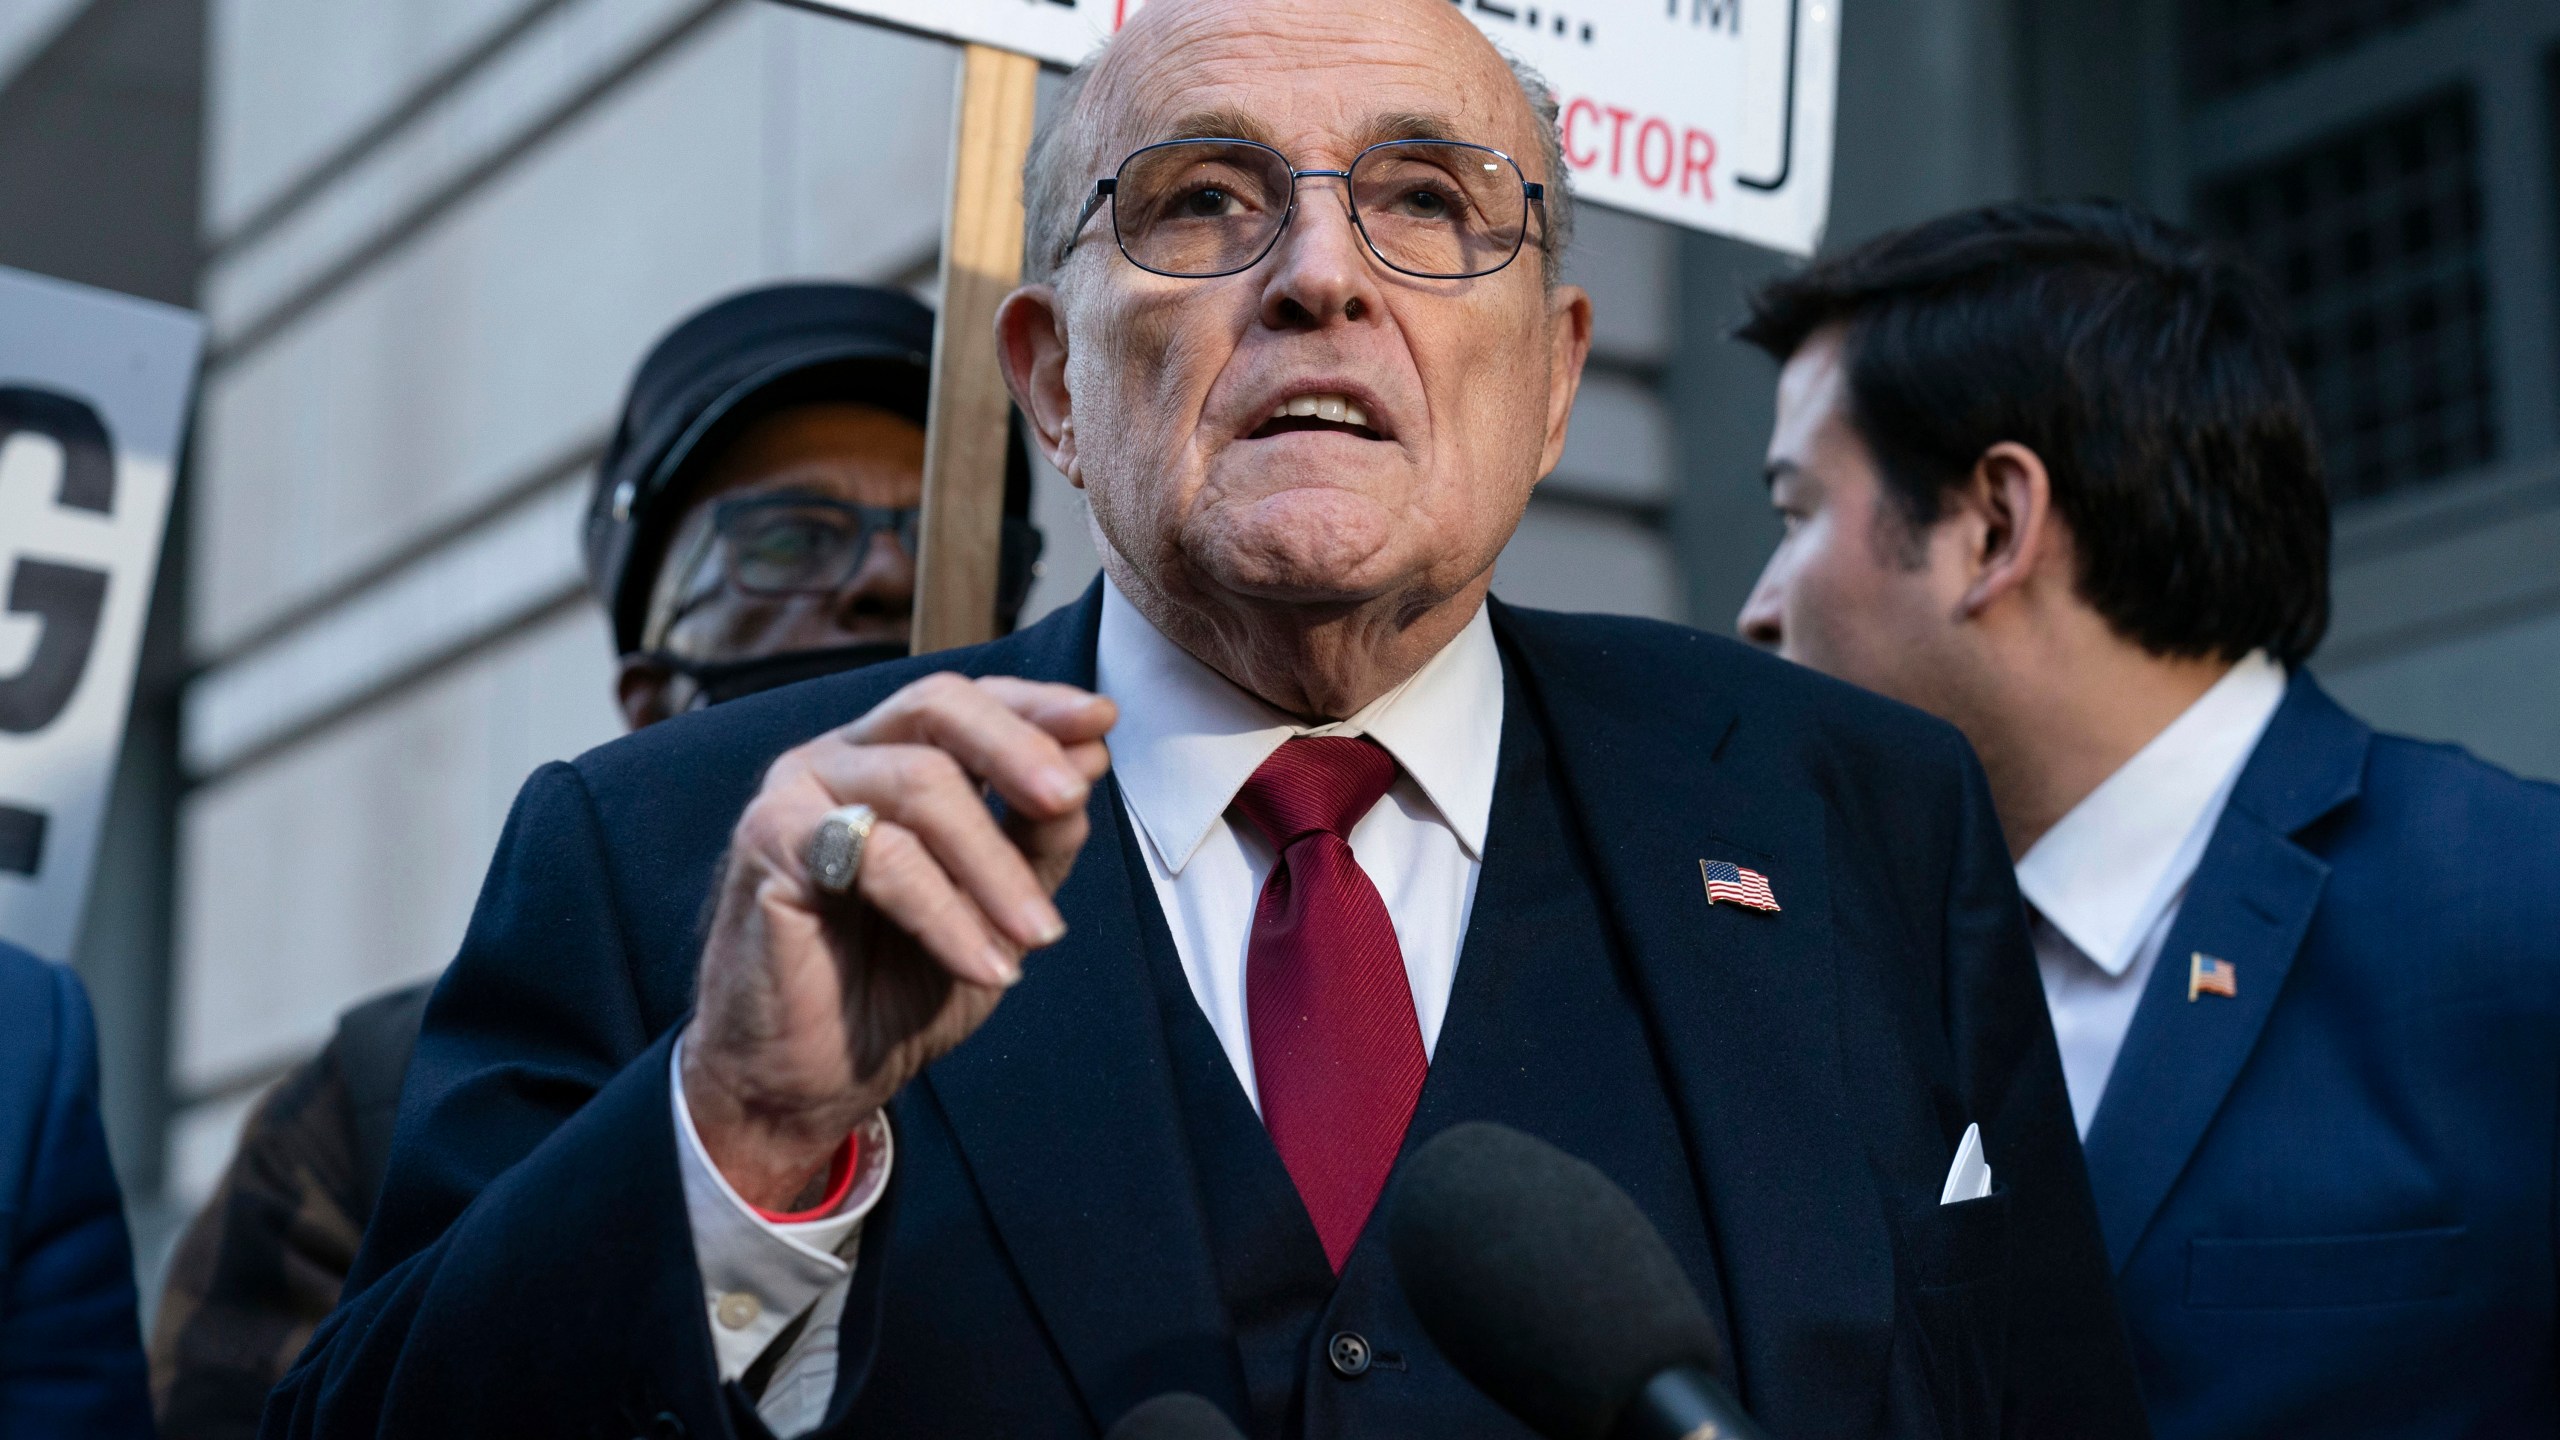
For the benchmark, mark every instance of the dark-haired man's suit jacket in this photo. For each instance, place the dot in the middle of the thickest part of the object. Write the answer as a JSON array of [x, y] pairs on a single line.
[[1084, 1213], [2330, 1199]]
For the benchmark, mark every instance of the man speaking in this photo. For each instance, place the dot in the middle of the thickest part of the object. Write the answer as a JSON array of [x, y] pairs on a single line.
[[881, 1056]]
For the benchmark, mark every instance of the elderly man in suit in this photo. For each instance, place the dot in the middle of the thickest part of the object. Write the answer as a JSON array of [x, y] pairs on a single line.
[[2045, 471], [70, 1348], [884, 1056]]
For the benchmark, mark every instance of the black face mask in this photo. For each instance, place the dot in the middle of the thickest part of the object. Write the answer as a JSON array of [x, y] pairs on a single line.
[[716, 681]]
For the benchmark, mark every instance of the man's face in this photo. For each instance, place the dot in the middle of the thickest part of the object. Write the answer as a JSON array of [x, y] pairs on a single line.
[[1851, 590], [1173, 384], [827, 452]]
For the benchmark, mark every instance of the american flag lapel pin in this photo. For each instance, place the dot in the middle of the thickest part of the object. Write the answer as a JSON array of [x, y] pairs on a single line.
[[1737, 884], [2207, 975]]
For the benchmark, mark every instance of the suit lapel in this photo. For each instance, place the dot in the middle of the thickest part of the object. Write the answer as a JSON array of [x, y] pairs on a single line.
[[2250, 904], [1746, 1007], [1063, 1106]]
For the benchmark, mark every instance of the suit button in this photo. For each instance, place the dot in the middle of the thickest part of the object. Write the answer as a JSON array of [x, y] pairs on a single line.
[[666, 1426], [1348, 1353]]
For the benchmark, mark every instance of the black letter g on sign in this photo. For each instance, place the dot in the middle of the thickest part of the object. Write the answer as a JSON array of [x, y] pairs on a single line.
[[66, 600]]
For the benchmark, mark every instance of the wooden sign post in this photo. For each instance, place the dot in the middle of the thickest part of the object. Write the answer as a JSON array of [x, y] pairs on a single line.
[[1005, 42], [965, 444]]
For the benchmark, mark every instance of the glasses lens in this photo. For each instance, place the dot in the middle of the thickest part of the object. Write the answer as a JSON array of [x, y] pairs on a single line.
[[1200, 207], [791, 548], [1441, 210]]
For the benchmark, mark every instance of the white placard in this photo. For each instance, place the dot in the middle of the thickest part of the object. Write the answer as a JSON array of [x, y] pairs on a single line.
[[1714, 114], [93, 396]]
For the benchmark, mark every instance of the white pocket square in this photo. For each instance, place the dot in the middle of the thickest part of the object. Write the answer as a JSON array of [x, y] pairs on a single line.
[[1970, 1177]]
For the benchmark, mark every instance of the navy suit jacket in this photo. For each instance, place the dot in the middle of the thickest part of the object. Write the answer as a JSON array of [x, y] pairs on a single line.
[[2330, 1199], [1041, 1264], [70, 1345]]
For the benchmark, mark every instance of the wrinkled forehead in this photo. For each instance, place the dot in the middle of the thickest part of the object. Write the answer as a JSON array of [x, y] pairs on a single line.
[[1318, 82]]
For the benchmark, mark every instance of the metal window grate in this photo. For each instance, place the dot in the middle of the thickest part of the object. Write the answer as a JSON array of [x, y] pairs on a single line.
[[2234, 44], [2373, 238]]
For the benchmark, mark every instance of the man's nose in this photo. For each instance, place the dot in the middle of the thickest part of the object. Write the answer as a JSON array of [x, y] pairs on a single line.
[[1760, 621], [1321, 272], [885, 583]]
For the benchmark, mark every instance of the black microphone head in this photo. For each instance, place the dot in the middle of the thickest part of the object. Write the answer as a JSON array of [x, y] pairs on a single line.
[[1177, 1416], [1540, 1279]]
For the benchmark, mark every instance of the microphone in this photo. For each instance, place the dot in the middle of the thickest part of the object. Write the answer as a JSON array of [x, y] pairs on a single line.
[[1550, 1291], [1179, 1415]]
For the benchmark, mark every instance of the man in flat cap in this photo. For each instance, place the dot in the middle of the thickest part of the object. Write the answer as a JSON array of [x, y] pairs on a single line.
[[884, 1056]]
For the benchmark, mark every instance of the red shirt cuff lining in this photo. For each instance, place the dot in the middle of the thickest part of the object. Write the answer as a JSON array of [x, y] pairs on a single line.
[[840, 1172]]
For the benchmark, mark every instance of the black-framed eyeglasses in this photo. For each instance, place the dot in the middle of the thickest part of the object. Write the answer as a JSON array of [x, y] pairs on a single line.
[[1198, 209], [786, 544]]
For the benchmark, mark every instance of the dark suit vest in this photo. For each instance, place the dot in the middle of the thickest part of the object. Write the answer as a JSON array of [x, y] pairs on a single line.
[[1542, 1032]]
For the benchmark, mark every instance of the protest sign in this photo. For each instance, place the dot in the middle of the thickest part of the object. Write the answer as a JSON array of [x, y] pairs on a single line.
[[93, 397]]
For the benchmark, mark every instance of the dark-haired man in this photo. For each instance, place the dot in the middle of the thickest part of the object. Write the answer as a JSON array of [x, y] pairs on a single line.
[[753, 523], [2044, 471]]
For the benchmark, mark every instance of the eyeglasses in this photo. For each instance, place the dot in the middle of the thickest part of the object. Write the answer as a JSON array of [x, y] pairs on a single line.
[[774, 545], [1198, 209]]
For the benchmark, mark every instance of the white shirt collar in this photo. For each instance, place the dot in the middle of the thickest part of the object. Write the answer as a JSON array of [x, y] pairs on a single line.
[[1189, 738], [2105, 872]]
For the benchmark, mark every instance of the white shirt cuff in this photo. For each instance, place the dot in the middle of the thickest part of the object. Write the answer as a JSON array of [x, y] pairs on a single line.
[[757, 1276]]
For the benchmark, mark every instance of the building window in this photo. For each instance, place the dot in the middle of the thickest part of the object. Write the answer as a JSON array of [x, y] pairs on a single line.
[[2373, 239], [2234, 44]]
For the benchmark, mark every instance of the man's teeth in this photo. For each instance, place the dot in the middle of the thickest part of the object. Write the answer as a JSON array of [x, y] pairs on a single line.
[[1336, 408]]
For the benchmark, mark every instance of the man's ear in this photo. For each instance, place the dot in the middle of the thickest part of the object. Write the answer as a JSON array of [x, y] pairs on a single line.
[[2016, 535], [1031, 341], [1569, 331], [642, 687]]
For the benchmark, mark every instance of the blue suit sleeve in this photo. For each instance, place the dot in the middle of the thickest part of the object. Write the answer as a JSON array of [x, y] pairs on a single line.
[[70, 1344]]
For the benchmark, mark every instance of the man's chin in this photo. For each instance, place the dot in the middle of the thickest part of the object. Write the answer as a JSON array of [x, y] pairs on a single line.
[[1310, 546], [1289, 467]]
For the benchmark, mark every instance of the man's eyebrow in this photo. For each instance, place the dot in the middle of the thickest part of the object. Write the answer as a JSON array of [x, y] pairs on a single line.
[[1238, 125], [1217, 125], [1408, 125]]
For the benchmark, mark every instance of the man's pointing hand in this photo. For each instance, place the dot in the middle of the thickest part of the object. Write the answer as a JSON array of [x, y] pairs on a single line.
[[814, 1009]]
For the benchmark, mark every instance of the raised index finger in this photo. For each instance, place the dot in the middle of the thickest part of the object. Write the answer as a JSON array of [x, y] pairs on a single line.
[[981, 724], [1067, 713]]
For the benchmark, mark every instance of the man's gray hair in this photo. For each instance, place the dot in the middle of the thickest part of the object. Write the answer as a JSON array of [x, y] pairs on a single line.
[[1065, 160]]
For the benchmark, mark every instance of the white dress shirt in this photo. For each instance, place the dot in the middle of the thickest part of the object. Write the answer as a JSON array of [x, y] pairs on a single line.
[[1187, 741], [759, 1276], [2106, 881]]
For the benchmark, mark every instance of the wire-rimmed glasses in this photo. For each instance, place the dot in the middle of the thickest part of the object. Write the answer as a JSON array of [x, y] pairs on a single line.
[[1434, 209]]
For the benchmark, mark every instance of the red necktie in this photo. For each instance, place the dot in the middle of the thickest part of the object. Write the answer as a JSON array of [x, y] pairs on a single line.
[[1337, 1054]]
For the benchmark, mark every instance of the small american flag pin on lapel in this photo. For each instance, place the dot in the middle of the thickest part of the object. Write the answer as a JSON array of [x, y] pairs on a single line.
[[2209, 976], [1745, 887]]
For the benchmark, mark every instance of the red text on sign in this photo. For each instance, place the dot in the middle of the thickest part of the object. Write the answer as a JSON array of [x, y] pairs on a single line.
[[1612, 140]]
